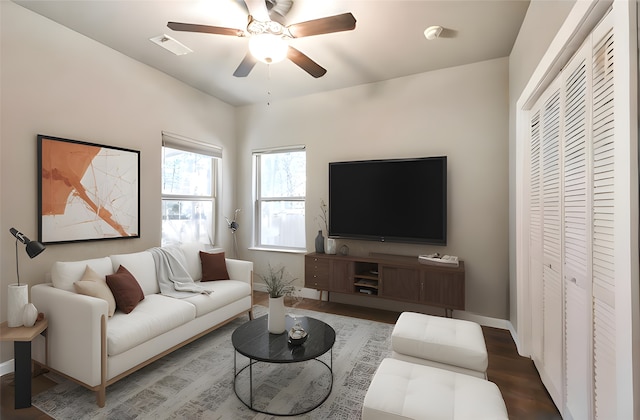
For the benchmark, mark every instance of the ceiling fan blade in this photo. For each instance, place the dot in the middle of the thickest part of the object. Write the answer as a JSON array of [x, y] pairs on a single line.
[[305, 63], [245, 67], [217, 30], [278, 8], [337, 23], [258, 9]]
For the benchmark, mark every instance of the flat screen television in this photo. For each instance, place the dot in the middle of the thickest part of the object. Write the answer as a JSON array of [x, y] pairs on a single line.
[[395, 200]]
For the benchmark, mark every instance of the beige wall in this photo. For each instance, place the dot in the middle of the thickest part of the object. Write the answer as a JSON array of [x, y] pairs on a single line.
[[60, 83], [530, 46], [460, 112]]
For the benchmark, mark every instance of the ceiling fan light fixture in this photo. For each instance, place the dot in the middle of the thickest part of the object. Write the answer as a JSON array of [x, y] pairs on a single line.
[[432, 32], [268, 48]]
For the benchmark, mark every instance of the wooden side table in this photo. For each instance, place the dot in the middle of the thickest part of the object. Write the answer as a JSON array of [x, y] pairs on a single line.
[[22, 338]]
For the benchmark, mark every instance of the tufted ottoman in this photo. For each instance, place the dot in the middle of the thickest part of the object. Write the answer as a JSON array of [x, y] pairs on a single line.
[[446, 343], [402, 390]]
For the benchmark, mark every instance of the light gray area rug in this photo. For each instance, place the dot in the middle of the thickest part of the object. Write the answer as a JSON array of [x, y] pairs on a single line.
[[196, 381]]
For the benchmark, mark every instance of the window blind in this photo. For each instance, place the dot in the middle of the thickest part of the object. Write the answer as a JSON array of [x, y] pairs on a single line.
[[176, 141]]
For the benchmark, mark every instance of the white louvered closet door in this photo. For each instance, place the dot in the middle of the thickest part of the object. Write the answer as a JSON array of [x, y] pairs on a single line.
[[535, 239], [546, 235], [545, 218], [604, 323], [577, 235], [551, 244]]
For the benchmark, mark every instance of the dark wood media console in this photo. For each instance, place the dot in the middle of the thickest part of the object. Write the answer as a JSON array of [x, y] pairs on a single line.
[[393, 277]]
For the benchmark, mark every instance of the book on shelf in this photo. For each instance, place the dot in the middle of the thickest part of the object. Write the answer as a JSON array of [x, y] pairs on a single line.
[[437, 259], [366, 282]]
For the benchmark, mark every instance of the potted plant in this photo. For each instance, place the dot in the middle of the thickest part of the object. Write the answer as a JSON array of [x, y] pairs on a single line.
[[278, 287]]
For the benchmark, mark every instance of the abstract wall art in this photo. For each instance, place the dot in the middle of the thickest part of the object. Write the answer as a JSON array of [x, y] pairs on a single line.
[[87, 191]]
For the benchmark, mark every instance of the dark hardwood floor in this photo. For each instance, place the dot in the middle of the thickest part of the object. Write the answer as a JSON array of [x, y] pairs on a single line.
[[516, 376]]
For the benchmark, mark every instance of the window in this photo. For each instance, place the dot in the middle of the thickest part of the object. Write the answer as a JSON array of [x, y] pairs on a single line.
[[188, 190], [281, 179]]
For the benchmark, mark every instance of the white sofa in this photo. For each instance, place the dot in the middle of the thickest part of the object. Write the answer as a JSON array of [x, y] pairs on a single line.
[[95, 350]]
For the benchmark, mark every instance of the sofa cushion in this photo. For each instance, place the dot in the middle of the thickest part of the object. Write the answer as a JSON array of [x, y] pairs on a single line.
[[95, 285], [224, 293], [126, 289], [214, 266], [143, 268], [154, 316], [65, 273], [192, 259]]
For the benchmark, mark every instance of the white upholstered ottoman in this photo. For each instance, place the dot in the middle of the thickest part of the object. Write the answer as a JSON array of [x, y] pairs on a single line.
[[402, 390], [446, 343]]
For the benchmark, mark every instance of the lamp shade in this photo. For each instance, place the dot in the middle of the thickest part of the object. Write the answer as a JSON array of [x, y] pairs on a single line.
[[34, 248]]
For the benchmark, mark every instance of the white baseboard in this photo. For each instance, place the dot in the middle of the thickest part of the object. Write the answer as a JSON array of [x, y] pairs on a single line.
[[6, 367], [480, 319], [487, 321], [502, 324], [514, 335]]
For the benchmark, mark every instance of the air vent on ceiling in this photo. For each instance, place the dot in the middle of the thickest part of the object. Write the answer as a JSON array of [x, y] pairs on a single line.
[[171, 44]]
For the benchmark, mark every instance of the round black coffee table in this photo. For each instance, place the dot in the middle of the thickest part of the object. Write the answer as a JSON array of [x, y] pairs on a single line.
[[253, 341]]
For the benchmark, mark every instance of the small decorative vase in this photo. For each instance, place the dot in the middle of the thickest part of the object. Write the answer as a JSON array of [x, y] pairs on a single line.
[[29, 315], [276, 318], [331, 246], [320, 243], [17, 298]]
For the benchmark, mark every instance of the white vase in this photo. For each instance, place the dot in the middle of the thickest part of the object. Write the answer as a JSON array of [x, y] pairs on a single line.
[[331, 246], [29, 315], [276, 317], [17, 298]]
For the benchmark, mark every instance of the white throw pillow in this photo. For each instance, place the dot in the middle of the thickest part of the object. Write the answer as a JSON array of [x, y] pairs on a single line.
[[193, 264], [142, 267], [191, 251], [65, 273]]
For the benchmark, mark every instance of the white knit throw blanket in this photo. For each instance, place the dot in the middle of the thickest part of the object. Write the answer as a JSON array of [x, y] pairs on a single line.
[[173, 278]]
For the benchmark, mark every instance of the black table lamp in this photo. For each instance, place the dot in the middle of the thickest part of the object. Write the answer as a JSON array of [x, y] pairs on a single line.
[[34, 248], [17, 294]]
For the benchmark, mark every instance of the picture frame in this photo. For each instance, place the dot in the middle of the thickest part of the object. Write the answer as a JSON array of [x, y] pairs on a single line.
[[87, 191]]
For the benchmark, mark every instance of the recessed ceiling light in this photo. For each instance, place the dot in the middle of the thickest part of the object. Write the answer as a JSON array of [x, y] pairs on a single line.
[[432, 32], [170, 44]]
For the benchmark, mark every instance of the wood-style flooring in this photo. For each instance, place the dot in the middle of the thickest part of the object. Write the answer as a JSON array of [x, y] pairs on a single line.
[[516, 376]]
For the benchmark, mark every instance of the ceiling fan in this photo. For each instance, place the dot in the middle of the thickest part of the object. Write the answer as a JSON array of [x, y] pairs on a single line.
[[269, 39]]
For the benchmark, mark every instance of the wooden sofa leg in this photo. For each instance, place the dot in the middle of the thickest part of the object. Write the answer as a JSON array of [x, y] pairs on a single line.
[[250, 314], [101, 396]]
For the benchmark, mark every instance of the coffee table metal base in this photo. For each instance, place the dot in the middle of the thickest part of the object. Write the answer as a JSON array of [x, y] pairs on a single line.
[[250, 402]]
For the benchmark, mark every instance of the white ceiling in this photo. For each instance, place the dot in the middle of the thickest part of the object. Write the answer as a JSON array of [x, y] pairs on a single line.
[[388, 41]]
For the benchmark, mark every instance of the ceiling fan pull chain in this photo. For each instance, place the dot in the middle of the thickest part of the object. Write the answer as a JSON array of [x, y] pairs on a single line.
[[268, 84]]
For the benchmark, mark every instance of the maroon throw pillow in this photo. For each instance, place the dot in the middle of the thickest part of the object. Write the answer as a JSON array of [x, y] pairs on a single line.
[[214, 266], [126, 289]]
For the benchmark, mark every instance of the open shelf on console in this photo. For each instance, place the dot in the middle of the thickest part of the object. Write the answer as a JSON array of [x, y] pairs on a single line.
[[365, 279]]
